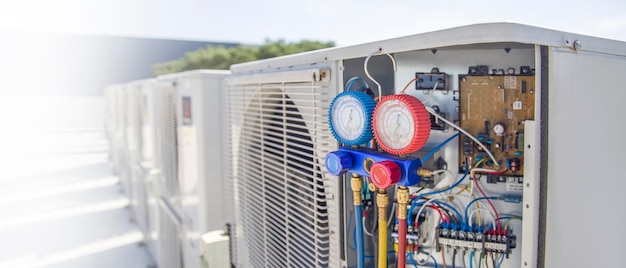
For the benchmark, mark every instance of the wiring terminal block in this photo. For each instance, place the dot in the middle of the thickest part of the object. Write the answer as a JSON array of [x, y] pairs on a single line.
[[490, 241]]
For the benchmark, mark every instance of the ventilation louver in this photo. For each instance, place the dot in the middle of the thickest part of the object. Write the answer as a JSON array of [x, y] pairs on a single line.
[[283, 201]]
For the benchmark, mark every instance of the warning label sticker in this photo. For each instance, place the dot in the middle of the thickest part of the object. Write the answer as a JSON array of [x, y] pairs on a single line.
[[514, 187]]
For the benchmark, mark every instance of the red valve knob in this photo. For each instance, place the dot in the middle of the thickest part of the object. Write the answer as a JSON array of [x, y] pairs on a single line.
[[385, 173]]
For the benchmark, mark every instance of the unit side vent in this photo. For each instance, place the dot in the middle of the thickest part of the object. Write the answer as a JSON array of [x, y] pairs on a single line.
[[169, 144], [278, 139]]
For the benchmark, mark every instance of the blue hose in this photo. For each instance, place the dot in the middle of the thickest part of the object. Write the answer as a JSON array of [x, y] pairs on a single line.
[[360, 249], [429, 154]]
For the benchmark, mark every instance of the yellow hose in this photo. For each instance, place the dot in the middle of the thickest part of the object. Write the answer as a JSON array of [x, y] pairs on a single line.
[[382, 244]]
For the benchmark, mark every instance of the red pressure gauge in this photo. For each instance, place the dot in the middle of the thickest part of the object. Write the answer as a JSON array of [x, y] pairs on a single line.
[[401, 124]]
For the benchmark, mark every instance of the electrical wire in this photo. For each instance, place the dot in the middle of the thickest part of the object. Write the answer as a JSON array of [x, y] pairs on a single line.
[[501, 260], [422, 205], [490, 203], [426, 203], [410, 256], [506, 225], [408, 84], [471, 261], [447, 189], [434, 260], [429, 154], [391, 214], [440, 191], [367, 232], [431, 95], [472, 202], [471, 194], [415, 79], [486, 256], [439, 203], [454, 258], [434, 113], [367, 73], [443, 256], [489, 213]]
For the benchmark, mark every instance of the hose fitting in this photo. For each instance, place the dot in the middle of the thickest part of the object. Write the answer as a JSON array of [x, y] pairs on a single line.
[[424, 172], [382, 201], [403, 201], [357, 185]]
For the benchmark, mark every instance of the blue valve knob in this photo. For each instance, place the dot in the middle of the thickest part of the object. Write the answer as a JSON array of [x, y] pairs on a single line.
[[338, 162]]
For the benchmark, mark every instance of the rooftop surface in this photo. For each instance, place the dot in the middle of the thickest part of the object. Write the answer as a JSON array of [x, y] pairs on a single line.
[[61, 206]]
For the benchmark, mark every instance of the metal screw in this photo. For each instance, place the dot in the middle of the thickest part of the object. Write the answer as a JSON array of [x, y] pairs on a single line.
[[578, 45]]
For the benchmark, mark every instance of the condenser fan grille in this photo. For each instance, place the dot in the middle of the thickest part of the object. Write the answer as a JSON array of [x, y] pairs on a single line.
[[280, 136]]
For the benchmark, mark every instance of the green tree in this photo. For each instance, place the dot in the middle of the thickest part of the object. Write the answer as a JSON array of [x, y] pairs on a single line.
[[219, 57]]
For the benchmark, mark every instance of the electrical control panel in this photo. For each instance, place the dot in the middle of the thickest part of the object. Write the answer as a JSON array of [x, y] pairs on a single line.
[[467, 201], [494, 108]]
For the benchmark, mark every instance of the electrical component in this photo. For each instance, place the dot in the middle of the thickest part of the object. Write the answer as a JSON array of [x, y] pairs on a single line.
[[490, 241], [433, 80], [478, 70], [498, 129], [435, 123], [499, 102], [401, 124]]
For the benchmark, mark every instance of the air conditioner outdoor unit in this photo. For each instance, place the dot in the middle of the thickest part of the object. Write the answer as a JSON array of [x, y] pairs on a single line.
[[201, 182], [522, 93], [164, 190], [111, 124], [191, 198], [149, 164], [139, 138]]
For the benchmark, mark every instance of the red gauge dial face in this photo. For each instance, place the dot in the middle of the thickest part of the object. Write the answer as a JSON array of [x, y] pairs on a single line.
[[401, 124]]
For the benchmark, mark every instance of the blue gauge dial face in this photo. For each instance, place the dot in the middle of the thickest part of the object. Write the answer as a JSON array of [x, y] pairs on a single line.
[[348, 117]]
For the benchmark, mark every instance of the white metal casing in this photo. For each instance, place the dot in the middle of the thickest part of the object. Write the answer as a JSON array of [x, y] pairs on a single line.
[[200, 180], [150, 102], [165, 188], [142, 168]]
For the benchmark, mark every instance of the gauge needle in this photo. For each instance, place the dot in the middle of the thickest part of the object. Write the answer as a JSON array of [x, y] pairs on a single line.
[[395, 131], [349, 122]]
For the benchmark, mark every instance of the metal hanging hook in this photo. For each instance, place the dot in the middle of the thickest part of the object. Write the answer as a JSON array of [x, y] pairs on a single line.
[[367, 73]]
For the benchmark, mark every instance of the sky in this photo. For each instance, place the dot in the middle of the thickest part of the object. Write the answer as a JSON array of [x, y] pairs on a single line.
[[346, 22]]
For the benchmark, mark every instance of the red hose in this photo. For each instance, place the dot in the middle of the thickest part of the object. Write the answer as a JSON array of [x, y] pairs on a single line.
[[401, 243]]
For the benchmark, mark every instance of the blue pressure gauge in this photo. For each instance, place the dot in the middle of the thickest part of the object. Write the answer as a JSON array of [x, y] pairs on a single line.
[[350, 117]]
